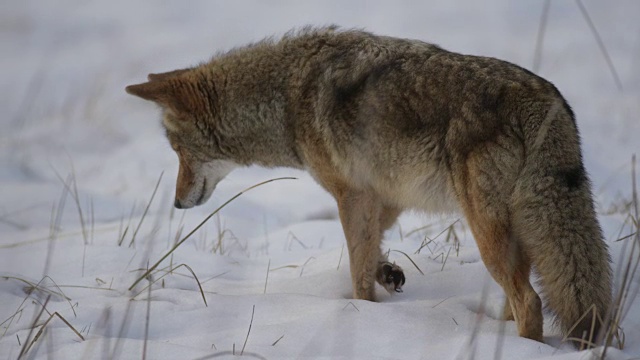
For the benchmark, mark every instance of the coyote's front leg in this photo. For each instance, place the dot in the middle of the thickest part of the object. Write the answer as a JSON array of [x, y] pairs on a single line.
[[389, 275], [360, 216], [364, 218]]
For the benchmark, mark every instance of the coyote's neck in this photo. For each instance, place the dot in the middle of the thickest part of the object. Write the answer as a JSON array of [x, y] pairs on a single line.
[[253, 124]]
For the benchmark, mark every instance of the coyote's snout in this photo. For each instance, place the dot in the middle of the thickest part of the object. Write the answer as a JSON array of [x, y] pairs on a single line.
[[386, 124], [197, 180]]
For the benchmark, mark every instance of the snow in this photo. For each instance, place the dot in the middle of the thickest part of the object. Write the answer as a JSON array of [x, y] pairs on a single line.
[[278, 250]]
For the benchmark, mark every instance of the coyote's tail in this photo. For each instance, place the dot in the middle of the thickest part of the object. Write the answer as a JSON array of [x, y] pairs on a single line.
[[554, 217]]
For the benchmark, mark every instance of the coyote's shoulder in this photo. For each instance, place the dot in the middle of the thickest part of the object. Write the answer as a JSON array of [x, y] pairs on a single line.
[[386, 124]]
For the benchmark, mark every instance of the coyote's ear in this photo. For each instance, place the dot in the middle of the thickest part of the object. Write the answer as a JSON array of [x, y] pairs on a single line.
[[166, 75], [157, 91], [169, 94]]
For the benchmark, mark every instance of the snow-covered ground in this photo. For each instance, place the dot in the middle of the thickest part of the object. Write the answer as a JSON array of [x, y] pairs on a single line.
[[274, 260]]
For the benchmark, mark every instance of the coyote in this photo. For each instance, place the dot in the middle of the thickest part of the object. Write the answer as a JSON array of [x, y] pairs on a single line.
[[387, 124]]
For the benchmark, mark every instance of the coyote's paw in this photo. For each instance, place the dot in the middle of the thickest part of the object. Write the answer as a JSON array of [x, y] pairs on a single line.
[[390, 276]]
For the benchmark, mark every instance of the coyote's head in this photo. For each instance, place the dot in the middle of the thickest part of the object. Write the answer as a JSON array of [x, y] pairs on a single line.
[[188, 103]]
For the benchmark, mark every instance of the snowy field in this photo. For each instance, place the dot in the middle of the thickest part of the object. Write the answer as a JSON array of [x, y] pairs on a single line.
[[79, 161]]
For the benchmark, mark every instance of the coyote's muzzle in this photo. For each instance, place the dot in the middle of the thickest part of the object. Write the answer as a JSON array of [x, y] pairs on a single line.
[[197, 180]]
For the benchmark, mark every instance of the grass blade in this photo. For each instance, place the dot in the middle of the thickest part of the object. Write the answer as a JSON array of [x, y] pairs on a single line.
[[253, 310], [537, 57], [200, 225], [144, 214], [408, 257], [603, 49]]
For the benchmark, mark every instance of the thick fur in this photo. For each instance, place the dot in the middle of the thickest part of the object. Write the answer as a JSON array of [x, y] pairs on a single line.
[[388, 124]]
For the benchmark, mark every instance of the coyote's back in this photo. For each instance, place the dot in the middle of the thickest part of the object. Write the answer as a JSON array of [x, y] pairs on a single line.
[[386, 124]]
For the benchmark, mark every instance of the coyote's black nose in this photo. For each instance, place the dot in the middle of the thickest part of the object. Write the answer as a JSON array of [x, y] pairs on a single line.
[[177, 204]]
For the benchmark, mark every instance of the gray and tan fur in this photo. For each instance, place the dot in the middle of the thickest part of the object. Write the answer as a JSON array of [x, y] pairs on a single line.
[[387, 124]]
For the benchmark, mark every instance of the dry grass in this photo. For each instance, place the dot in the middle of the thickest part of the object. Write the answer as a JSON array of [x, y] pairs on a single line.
[[44, 325], [146, 210], [266, 279], [627, 290], [625, 296], [171, 271], [71, 186], [200, 225], [31, 289], [39, 327], [410, 259], [253, 310]]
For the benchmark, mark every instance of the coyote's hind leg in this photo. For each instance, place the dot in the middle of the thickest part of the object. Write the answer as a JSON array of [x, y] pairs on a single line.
[[509, 267], [487, 213]]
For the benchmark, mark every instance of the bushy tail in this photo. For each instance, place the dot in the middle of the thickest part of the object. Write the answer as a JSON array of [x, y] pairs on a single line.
[[555, 219]]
